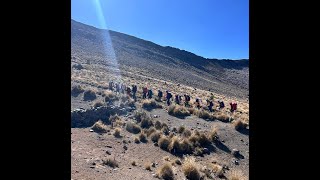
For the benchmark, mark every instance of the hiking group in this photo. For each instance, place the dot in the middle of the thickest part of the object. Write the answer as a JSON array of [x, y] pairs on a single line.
[[148, 93]]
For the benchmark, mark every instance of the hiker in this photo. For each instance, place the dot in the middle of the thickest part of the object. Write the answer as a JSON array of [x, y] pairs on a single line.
[[111, 85], [134, 91], [233, 106], [198, 103], [211, 97], [118, 87], [129, 91], [210, 105], [144, 91], [159, 94], [221, 105], [150, 93], [168, 97], [177, 99], [187, 100], [123, 88]]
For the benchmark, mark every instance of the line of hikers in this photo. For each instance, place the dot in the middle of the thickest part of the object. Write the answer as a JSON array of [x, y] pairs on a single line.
[[147, 93]]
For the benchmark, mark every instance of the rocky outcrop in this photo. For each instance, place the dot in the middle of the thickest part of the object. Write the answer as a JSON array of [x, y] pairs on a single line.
[[81, 118]]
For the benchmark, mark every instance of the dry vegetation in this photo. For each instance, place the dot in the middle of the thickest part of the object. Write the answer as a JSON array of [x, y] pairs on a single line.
[[110, 162], [166, 172], [99, 127], [236, 175], [191, 169]]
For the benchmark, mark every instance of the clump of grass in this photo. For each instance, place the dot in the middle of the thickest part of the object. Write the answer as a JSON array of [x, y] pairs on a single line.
[[239, 125], [191, 169], [110, 162], [140, 115], [114, 118], [174, 144], [142, 137], [136, 140], [99, 127], [164, 125], [165, 130], [158, 125], [213, 134], [181, 146], [147, 166], [218, 170], [186, 133], [166, 172], [98, 104], [178, 111], [116, 132], [89, 95], [181, 129], [133, 128], [155, 136], [76, 90], [110, 96], [203, 139], [146, 123], [191, 110], [236, 175], [203, 114], [164, 142], [150, 131], [221, 117], [150, 104], [198, 151]]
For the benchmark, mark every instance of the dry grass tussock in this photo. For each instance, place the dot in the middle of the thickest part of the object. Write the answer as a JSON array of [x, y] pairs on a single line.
[[150, 104], [178, 111], [191, 169], [110, 162], [165, 172], [100, 127], [133, 128], [236, 175], [110, 96]]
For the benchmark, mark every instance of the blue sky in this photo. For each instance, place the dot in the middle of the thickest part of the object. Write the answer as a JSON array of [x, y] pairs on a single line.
[[208, 28]]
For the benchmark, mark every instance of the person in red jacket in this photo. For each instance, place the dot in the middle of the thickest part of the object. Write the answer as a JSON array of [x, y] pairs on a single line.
[[233, 106], [144, 91]]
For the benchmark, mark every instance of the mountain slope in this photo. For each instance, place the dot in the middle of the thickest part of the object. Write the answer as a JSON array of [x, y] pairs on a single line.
[[130, 54]]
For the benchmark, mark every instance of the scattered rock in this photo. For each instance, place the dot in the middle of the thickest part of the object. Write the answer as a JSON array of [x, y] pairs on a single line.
[[199, 127], [236, 162], [92, 167], [91, 130], [108, 152], [235, 152], [153, 165], [109, 146], [125, 147], [225, 167], [93, 163], [155, 144], [154, 175], [197, 122], [241, 140], [129, 167], [205, 150], [222, 141]]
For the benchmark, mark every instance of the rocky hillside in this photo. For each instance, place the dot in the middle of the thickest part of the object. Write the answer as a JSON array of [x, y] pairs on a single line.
[[130, 54]]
